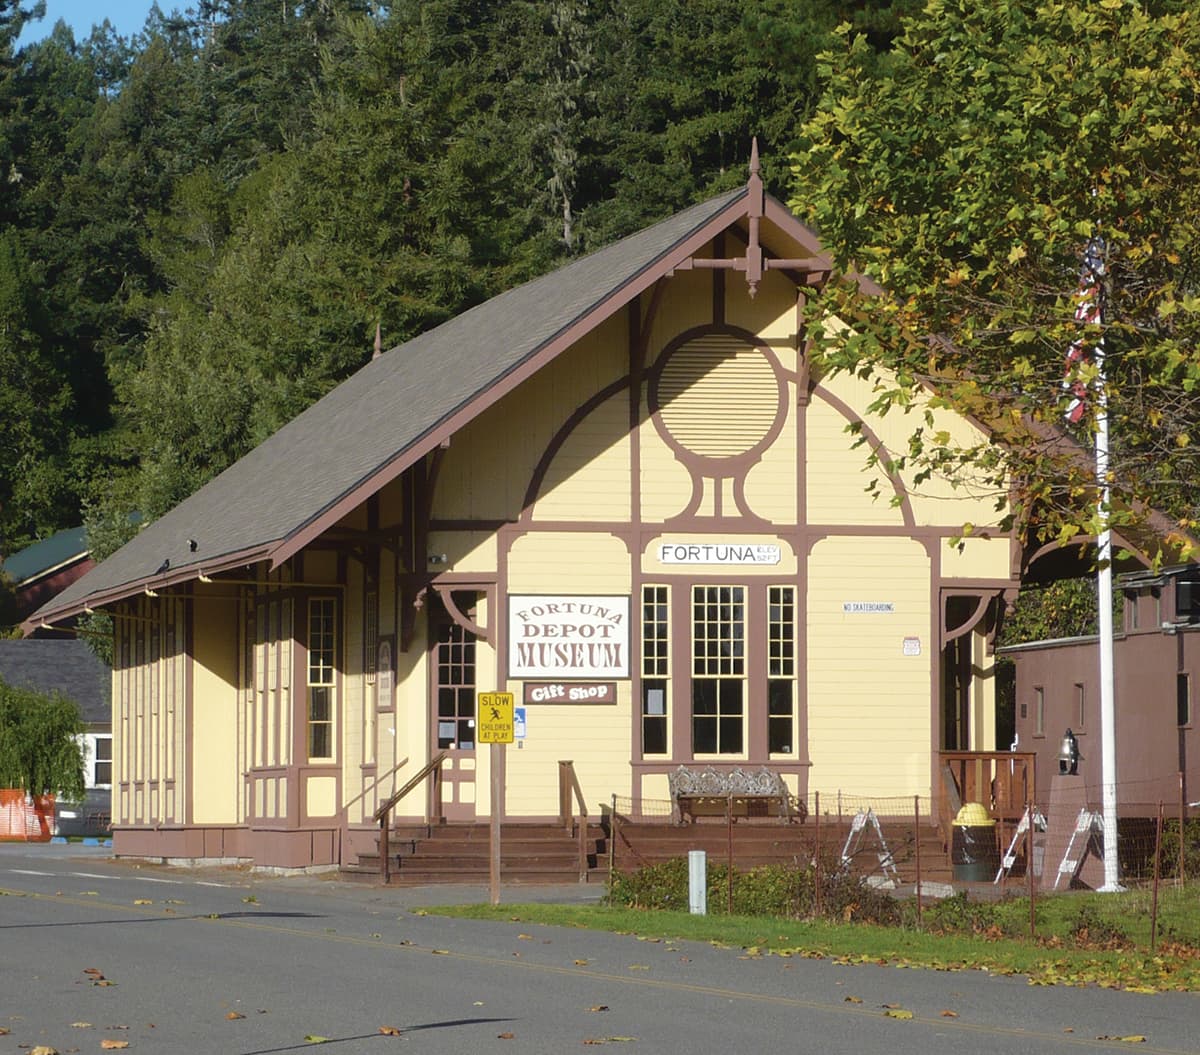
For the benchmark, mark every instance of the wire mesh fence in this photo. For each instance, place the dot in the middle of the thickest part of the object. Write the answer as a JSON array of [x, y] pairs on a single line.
[[909, 844]]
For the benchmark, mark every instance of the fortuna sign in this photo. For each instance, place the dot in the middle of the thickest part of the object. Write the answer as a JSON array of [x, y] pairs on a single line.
[[568, 636], [717, 553]]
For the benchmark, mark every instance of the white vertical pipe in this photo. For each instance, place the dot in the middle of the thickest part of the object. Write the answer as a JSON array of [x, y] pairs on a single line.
[[697, 882]]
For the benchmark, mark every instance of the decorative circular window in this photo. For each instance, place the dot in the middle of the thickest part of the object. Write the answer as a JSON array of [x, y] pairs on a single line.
[[717, 396]]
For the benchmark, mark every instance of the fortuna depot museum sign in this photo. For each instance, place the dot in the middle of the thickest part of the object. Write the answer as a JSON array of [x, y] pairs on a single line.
[[568, 636]]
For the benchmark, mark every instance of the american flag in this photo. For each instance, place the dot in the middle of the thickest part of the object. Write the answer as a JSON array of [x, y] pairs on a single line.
[[1089, 310]]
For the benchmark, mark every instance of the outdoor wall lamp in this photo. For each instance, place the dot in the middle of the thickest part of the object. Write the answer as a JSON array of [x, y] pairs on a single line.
[[1068, 754]]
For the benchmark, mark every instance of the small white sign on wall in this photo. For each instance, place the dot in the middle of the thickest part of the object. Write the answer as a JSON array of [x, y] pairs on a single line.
[[912, 646], [868, 607]]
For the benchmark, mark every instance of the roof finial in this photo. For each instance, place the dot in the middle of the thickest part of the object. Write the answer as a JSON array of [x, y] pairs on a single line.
[[378, 340], [754, 204]]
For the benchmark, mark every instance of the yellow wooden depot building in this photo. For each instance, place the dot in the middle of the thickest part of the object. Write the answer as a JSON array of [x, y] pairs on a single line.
[[621, 492]]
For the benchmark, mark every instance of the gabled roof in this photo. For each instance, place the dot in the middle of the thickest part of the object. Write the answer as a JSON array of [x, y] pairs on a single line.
[[364, 433], [47, 556]]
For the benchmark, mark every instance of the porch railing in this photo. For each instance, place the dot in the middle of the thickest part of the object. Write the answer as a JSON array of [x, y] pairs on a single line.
[[568, 786], [1002, 781], [384, 814]]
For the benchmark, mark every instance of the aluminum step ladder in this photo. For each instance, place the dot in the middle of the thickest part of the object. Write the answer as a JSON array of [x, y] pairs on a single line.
[[864, 825], [1086, 824]]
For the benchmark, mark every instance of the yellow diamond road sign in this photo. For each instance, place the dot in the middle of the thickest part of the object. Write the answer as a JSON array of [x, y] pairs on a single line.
[[495, 719]]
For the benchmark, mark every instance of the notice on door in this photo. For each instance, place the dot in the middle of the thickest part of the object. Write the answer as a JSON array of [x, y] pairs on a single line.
[[496, 721]]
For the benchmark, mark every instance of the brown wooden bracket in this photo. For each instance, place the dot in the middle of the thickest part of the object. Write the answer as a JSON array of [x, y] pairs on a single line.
[[446, 593], [814, 271], [983, 603]]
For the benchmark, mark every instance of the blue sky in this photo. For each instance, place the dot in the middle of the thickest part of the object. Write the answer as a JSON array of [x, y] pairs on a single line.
[[128, 16]]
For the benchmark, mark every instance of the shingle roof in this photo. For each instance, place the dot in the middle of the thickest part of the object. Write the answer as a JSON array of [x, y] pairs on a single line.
[[60, 665], [378, 417]]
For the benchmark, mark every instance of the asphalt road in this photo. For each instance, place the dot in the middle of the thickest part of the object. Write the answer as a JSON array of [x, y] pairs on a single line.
[[220, 961]]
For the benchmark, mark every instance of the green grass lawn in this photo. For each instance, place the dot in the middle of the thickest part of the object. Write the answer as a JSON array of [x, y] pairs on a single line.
[[1080, 938]]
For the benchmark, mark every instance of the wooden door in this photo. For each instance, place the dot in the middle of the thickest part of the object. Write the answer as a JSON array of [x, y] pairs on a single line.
[[453, 719]]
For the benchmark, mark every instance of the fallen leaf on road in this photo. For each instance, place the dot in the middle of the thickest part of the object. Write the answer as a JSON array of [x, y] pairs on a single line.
[[524, 937], [250, 900], [104, 981], [113, 1045], [638, 967], [390, 1031], [440, 952], [505, 1036], [599, 1007], [74, 1025], [581, 963], [479, 1003], [142, 901], [43, 1049], [853, 1000], [949, 1014], [94, 970], [898, 1013], [234, 1015], [1135, 1038], [312, 1038]]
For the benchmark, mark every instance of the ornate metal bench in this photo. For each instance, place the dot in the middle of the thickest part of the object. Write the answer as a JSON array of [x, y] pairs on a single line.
[[736, 792]]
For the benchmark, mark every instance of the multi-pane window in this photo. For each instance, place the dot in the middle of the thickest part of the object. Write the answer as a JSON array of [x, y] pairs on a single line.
[[655, 668], [101, 762], [322, 644], [781, 668], [455, 687], [718, 669]]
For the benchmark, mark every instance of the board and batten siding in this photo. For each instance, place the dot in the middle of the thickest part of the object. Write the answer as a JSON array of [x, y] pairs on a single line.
[[149, 730]]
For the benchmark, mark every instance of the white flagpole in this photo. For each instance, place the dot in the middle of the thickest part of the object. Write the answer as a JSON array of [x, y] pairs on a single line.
[[1104, 600], [1104, 592]]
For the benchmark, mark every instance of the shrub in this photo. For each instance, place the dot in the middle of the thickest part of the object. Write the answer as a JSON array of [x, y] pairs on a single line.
[[767, 890], [40, 743], [1090, 930]]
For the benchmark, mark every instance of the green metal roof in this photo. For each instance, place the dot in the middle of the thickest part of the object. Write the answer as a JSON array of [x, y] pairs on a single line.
[[64, 547]]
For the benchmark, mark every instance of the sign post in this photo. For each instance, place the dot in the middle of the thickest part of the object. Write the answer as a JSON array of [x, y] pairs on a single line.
[[495, 725]]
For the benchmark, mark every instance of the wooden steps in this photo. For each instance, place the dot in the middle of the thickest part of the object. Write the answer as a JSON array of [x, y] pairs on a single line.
[[546, 853], [461, 853]]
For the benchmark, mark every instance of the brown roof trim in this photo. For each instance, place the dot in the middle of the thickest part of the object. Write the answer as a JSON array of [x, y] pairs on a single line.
[[172, 577], [522, 371]]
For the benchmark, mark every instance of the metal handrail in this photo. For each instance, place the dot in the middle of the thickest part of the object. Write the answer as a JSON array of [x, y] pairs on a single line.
[[568, 784], [375, 783], [382, 814]]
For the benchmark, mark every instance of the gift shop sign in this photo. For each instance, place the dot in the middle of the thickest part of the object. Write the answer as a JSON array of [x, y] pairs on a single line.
[[577, 692], [568, 636]]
